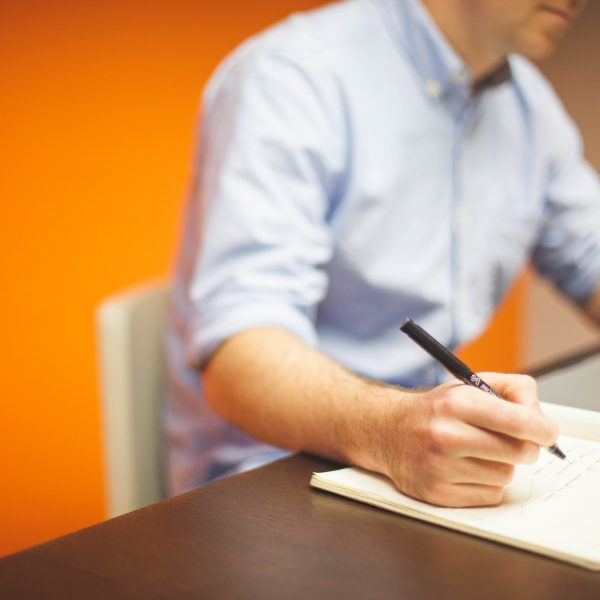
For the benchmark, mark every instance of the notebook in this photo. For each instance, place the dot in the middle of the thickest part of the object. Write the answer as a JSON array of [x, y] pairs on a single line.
[[551, 507]]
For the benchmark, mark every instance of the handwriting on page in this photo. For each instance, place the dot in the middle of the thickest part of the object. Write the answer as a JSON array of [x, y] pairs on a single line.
[[550, 488], [550, 507], [552, 504], [554, 479]]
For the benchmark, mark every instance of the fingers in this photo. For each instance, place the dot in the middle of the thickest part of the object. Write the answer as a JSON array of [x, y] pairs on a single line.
[[520, 389], [458, 445], [472, 470], [503, 449], [462, 440], [483, 411], [468, 482], [482, 472], [465, 495]]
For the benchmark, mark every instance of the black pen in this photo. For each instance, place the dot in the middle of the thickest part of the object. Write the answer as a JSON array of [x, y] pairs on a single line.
[[455, 366]]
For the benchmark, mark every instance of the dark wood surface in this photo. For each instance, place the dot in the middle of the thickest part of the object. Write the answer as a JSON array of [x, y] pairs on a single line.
[[266, 534]]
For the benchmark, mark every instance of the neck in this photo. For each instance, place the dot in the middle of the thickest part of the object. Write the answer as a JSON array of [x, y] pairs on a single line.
[[466, 37]]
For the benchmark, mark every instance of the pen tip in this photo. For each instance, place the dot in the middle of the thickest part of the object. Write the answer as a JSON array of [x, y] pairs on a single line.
[[558, 452]]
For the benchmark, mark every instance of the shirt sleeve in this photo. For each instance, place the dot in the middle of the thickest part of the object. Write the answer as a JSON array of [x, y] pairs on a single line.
[[568, 250], [269, 166]]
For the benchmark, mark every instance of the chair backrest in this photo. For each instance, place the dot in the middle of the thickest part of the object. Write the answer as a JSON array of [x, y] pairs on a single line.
[[131, 328]]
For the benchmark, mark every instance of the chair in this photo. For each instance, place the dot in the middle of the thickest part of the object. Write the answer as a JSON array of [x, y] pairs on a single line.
[[130, 328]]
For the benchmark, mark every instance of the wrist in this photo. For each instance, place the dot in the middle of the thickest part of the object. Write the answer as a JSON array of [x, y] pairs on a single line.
[[379, 426]]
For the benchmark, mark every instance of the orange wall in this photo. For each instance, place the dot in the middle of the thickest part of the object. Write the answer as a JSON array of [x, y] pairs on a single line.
[[97, 108]]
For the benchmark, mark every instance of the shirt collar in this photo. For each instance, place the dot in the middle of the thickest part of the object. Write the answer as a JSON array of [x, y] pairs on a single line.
[[437, 63]]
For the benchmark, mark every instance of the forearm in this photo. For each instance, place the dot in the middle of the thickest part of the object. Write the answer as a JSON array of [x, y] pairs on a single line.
[[273, 386], [592, 306], [452, 445]]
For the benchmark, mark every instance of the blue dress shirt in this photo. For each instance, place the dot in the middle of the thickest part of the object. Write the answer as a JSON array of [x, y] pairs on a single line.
[[347, 177]]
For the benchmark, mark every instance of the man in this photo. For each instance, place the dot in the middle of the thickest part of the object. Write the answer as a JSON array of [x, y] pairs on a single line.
[[359, 164]]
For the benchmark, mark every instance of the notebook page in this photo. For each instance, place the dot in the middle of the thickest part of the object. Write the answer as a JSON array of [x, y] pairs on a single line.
[[552, 506], [576, 422]]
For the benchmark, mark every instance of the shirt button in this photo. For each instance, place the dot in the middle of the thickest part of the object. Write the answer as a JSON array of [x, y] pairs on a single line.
[[434, 89], [459, 76]]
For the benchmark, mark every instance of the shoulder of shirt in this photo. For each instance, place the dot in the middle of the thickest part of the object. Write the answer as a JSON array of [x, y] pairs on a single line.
[[561, 136], [314, 39], [537, 92]]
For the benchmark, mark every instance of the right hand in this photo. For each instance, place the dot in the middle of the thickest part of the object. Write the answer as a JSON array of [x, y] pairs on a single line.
[[455, 445]]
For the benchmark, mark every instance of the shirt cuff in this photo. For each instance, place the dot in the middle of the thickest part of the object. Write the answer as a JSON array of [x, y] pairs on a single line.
[[581, 287], [211, 330]]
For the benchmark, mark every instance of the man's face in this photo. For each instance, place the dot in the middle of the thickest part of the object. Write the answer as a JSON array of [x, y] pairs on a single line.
[[532, 28]]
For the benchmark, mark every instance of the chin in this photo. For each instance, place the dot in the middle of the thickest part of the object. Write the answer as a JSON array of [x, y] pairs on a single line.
[[539, 49]]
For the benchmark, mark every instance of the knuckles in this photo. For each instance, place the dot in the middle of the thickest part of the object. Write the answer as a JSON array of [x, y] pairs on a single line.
[[441, 437], [448, 403]]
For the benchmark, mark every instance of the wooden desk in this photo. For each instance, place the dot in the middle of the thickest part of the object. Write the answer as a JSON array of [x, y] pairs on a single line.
[[266, 534]]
